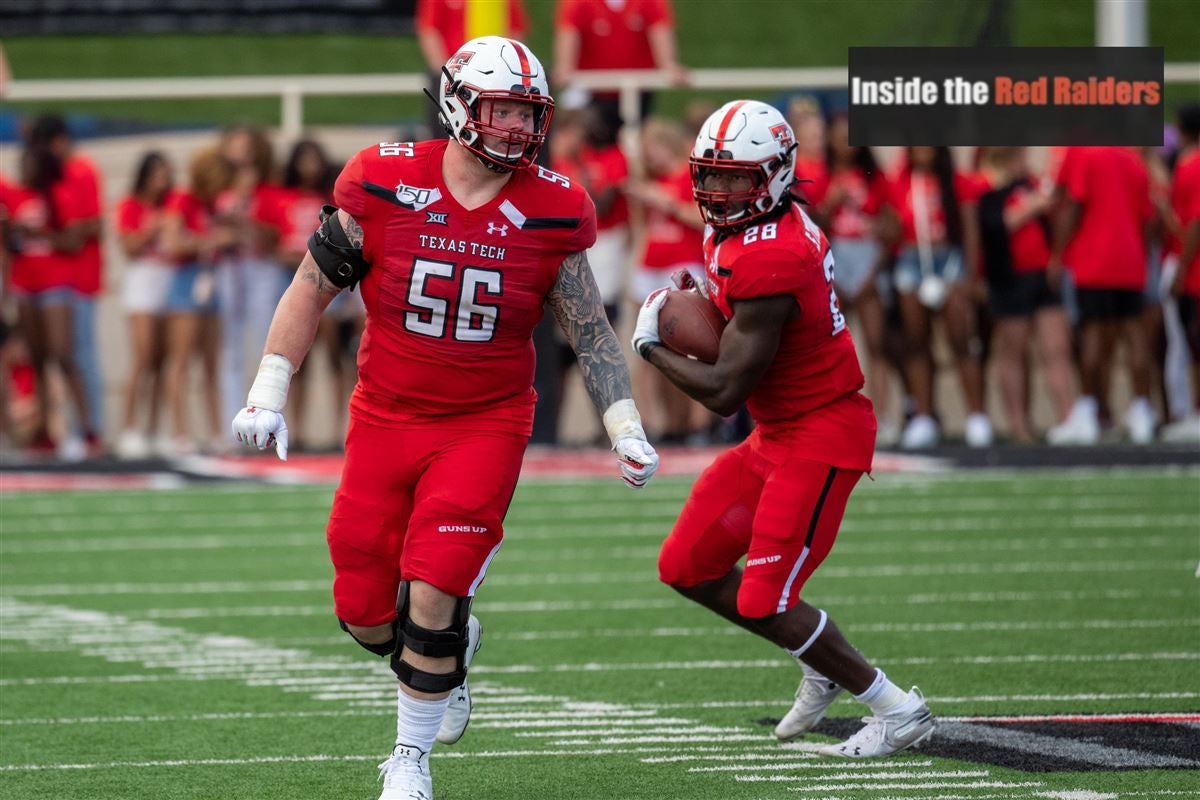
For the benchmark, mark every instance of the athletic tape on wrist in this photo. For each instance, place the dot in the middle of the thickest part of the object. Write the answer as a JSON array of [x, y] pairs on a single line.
[[270, 389], [622, 421]]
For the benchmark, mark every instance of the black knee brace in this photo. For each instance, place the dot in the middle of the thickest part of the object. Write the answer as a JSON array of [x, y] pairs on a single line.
[[383, 649], [446, 643]]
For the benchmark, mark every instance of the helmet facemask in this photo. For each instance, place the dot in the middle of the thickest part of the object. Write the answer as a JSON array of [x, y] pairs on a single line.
[[731, 193], [487, 132]]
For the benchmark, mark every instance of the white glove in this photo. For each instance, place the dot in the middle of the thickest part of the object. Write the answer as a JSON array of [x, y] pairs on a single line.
[[262, 428], [260, 424], [685, 281], [637, 460], [635, 456], [645, 332]]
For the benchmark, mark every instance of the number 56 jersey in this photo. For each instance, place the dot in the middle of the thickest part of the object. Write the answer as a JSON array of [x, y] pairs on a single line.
[[453, 295]]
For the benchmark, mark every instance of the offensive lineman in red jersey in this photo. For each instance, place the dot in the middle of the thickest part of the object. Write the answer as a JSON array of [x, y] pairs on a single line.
[[777, 498], [456, 245]]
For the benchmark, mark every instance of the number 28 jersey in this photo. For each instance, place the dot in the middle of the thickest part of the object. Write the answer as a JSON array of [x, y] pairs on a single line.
[[816, 362], [453, 295]]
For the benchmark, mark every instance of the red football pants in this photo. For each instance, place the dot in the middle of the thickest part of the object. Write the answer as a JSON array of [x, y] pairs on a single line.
[[784, 517], [420, 503]]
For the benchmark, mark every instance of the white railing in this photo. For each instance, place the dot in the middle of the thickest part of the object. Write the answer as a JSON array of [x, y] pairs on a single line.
[[292, 89]]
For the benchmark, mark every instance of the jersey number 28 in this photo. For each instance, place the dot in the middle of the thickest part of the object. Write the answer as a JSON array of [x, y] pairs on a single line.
[[835, 311]]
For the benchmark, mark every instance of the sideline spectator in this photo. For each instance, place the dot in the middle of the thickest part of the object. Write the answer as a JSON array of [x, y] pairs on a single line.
[[938, 249], [443, 25], [673, 241], [42, 206], [1015, 234], [193, 238], [250, 279], [140, 223], [615, 34], [858, 218], [308, 180], [1100, 238], [77, 193], [1184, 269]]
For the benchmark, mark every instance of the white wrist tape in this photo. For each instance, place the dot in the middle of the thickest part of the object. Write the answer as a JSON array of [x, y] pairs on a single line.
[[622, 421], [270, 389]]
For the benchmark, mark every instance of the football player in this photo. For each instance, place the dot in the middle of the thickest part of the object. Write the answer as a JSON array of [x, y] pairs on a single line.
[[455, 245], [777, 498]]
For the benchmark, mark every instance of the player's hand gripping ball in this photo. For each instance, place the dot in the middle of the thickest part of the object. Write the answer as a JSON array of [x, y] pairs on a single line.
[[691, 325]]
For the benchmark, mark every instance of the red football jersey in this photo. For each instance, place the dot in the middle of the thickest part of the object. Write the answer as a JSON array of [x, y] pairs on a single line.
[[816, 363], [453, 294]]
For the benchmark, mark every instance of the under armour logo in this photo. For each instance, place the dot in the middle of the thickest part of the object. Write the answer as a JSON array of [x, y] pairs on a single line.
[[500, 229], [436, 217]]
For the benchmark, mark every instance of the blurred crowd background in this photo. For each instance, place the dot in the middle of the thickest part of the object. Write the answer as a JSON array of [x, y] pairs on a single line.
[[995, 294]]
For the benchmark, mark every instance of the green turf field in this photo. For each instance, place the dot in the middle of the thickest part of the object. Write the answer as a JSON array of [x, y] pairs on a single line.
[[180, 644]]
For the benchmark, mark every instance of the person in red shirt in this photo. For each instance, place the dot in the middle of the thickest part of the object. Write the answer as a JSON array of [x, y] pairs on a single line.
[[1184, 255], [1100, 237], [141, 221], [44, 212], [455, 245], [673, 241], [615, 35], [1015, 236], [856, 211], [812, 157], [777, 498], [77, 195], [194, 238], [933, 274], [248, 274], [442, 24], [308, 186]]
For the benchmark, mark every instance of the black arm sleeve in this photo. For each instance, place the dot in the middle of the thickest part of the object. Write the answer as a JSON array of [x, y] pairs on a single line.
[[340, 261]]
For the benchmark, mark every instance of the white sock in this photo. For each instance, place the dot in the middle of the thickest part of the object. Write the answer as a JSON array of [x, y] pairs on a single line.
[[1087, 405], [882, 695], [417, 721]]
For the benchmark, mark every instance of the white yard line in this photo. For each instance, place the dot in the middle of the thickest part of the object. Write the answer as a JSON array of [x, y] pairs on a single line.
[[622, 577]]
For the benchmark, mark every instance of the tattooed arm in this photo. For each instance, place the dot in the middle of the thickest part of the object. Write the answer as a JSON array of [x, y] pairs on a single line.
[[294, 325], [576, 303]]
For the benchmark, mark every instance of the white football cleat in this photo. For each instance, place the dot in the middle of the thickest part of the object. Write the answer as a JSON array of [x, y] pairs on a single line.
[[813, 697], [909, 726], [458, 713], [406, 774]]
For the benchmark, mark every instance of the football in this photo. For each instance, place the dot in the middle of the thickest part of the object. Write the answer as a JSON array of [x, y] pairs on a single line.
[[690, 325]]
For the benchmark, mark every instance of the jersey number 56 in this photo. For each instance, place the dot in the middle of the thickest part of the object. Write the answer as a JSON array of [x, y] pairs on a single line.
[[473, 320]]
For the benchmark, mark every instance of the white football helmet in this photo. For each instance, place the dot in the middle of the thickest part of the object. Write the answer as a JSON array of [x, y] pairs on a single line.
[[493, 68], [742, 163]]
